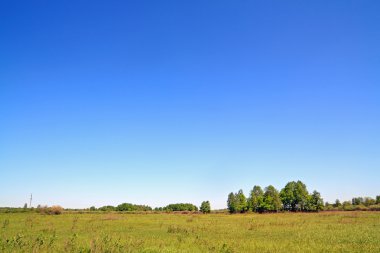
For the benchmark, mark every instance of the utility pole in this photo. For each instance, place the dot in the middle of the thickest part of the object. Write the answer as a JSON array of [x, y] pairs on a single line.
[[30, 201]]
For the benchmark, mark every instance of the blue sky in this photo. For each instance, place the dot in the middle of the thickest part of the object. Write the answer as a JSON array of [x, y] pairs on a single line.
[[156, 102]]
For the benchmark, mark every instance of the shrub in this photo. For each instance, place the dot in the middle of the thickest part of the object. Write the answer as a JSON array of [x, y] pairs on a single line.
[[50, 210], [205, 207], [56, 210], [374, 207]]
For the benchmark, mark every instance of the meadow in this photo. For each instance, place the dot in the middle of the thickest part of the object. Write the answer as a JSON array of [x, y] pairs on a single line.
[[169, 232]]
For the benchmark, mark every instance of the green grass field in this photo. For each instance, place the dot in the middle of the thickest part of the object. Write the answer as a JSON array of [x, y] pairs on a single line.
[[114, 232]]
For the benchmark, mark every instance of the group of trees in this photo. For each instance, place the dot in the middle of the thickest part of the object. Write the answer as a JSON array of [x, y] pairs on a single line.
[[178, 207], [357, 203], [128, 207], [132, 207], [366, 201], [293, 197]]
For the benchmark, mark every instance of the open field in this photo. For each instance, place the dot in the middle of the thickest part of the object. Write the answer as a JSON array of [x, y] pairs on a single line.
[[116, 232]]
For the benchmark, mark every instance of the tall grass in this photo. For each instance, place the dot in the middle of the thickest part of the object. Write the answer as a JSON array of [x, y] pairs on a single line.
[[117, 232]]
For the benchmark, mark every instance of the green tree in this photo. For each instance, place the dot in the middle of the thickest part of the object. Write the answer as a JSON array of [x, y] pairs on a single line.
[[271, 200], [378, 199], [357, 201], [180, 207], [205, 207], [294, 196], [287, 196], [315, 202], [232, 203], [25, 206], [125, 207], [347, 205], [255, 199], [93, 208], [369, 201], [107, 208], [242, 205], [337, 203]]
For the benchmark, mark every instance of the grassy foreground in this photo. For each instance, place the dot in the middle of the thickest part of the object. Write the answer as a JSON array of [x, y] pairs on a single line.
[[115, 232]]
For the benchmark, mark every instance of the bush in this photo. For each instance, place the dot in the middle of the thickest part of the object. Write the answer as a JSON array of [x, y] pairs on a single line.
[[374, 207], [56, 210], [50, 210]]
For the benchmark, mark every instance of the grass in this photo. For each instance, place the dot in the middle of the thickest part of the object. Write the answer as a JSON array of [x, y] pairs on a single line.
[[116, 232]]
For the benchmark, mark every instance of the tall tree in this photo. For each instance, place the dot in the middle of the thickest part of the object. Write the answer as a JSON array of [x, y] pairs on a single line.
[[301, 195], [271, 201], [369, 201], [294, 196], [287, 196], [231, 203], [205, 207], [242, 205], [315, 202], [357, 201], [337, 203], [255, 199]]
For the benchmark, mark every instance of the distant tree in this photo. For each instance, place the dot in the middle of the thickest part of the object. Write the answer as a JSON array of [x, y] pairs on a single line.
[[107, 208], [301, 195], [328, 206], [337, 203], [128, 207], [294, 196], [315, 202], [25, 206], [205, 207], [369, 201], [93, 208], [357, 201], [180, 207], [378, 199], [232, 203], [125, 207], [255, 199], [242, 205], [271, 200], [346, 205], [287, 195]]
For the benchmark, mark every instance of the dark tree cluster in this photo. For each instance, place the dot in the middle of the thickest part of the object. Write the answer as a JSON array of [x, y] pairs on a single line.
[[124, 207], [205, 207], [128, 207], [132, 207], [178, 207], [293, 197], [105, 208]]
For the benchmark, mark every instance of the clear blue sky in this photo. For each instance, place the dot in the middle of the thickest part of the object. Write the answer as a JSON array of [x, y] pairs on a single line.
[[155, 102]]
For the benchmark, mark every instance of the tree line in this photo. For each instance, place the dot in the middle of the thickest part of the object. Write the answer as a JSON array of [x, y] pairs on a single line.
[[128, 207], [293, 197], [356, 204]]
